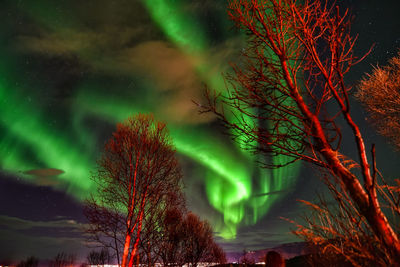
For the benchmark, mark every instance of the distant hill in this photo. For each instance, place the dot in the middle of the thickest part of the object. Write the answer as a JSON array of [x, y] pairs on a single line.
[[288, 251]]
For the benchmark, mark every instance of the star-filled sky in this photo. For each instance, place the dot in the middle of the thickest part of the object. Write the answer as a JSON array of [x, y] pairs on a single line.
[[70, 70]]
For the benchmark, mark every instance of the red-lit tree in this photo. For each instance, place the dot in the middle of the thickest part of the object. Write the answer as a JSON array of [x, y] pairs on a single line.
[[158, 230], [198, 241], [217, 255], [138, 168], [187, 240], [170, 249], [379, 92], [277, 98]]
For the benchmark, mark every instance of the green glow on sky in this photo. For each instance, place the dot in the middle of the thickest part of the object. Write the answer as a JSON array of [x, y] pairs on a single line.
[[234, 185], [28, 131], [225, 191], [181, 28], [228, 179]]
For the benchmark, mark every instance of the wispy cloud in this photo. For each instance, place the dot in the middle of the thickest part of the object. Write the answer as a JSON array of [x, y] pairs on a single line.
[[15, 223], [20, 238]]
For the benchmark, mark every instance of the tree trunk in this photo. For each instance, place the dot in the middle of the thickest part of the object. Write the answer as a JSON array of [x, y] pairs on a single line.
[[126, 250], [137, 239], [149, 260], [116, 248]]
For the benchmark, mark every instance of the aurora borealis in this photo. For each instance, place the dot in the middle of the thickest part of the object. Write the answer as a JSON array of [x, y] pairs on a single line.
[[70, 70], [124, 80]]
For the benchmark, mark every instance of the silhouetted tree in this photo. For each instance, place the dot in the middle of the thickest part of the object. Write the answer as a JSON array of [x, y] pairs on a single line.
[[187, 240], [137, 169], [63, 259], [217, 255], [29, 262], [277, 99], [171, 249], [380, 94], [158, 231], [198, 241], [101, 257], [106, 227]]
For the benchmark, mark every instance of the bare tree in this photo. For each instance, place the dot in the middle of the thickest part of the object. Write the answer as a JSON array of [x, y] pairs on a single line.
[[198, 241], [277, 99], [155, 237], [63, 259], [137, 169], [101, 257], [187, 240], [380, 94], [29, 262], [170, 249], [217, 255], [105, 228], [339, 235]]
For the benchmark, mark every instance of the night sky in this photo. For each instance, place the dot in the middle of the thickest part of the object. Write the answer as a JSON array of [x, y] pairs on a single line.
[[70, 70]]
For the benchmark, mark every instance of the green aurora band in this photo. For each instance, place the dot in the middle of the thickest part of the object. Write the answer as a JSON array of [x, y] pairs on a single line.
[[27, 131], [234, 185], [182, 30]]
